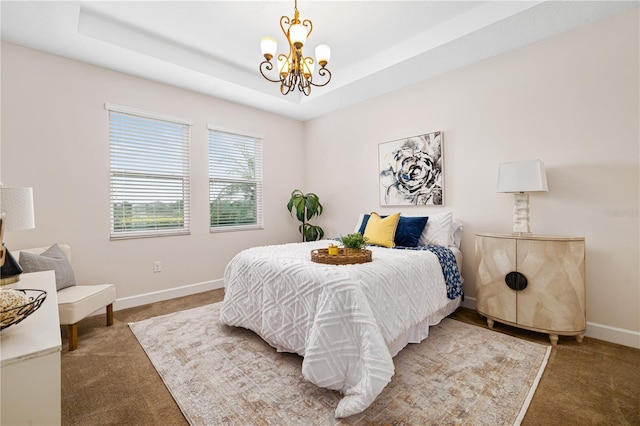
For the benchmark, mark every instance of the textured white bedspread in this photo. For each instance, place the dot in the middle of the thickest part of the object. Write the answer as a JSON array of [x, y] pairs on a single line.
[[341, 319]]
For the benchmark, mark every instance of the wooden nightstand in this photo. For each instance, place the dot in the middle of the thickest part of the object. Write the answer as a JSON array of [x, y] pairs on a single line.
[[533, 282]]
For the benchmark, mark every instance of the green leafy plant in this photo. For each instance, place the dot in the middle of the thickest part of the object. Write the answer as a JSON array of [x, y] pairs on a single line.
[[354, 241], [305, 207]]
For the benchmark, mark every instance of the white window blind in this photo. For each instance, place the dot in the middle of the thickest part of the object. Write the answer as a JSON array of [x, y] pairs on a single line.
[[149, 173], [235, 181]]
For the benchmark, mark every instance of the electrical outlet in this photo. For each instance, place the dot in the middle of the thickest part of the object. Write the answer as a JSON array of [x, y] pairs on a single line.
[[157, 266]]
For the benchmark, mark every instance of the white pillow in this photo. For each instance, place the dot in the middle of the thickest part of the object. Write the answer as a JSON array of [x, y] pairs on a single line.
[[358, 223], [439, 230], [457, 233]]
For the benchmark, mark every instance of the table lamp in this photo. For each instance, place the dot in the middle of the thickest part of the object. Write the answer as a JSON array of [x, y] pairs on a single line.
[[520, 178], [16, 213]]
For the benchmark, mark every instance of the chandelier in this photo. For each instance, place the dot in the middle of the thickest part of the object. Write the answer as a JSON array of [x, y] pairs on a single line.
[[295, 70]]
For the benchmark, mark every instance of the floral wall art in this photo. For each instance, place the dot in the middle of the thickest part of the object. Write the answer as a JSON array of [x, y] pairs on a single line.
[[411, 171]]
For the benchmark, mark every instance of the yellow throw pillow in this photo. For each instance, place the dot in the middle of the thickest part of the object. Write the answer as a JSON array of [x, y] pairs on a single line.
[[380, 231]]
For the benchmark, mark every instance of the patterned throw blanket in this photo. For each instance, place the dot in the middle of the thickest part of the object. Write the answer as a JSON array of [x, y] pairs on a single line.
[[449, 268]]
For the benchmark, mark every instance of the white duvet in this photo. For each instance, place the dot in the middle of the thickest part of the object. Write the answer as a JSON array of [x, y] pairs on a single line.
[[341, 319]]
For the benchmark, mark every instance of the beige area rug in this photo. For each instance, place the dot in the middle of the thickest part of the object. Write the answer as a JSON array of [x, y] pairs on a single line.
[[461, 374]]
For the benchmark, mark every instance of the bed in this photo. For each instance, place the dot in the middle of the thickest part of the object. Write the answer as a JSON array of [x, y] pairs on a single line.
[[347, 321]]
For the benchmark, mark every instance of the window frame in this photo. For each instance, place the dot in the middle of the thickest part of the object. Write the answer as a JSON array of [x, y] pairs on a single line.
[[258, 180], [183, 163]]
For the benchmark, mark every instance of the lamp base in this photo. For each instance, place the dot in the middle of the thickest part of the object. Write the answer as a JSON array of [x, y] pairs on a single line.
[[10, 271], [9, 280], [521, 214]]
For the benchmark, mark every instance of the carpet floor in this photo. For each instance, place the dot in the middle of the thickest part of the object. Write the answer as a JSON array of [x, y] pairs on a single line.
[[110, 380], [461, 374]]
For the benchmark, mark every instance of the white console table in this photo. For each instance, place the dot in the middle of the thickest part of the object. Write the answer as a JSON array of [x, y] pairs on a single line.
[[30, 367]]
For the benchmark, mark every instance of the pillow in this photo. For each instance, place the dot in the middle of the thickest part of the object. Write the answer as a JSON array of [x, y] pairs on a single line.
[[381, 231], [364, 219], [408, 231], [359, 223], [439, 231], [52, 259], [457, 233]]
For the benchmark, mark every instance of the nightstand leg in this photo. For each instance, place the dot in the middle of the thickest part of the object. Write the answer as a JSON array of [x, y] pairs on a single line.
[[579, 338], [489, 322], [554, 339]]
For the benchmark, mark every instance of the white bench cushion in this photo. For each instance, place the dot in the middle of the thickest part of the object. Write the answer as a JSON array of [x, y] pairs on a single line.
[[75, 303]]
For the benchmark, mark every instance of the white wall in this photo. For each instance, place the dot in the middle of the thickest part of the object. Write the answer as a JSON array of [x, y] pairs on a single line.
[[55, 139], [571, 100]]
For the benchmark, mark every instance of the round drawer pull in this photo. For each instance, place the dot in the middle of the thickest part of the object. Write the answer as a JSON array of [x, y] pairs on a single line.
[[516, 281]]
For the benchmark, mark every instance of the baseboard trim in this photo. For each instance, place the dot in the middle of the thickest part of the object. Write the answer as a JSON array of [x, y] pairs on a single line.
[[469, 302], [621, 336], [610, 334], [171, 293]]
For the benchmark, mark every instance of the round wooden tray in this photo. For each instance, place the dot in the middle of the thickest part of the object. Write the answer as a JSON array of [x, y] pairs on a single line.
[[344, 256]]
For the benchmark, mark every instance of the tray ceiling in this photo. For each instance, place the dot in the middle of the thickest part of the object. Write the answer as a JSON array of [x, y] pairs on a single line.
[[212, 47]]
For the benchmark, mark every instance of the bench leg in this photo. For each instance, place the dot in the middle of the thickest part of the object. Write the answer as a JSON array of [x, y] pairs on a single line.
[[72, 333], [109, 314]]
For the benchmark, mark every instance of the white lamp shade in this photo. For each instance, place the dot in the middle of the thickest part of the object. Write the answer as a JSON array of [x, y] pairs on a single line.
[[268, 46], [297, 35], [522, 176], [323, 53], [17, 205]]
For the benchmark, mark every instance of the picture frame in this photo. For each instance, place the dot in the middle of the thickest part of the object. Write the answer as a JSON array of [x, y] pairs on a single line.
[[411, 171]]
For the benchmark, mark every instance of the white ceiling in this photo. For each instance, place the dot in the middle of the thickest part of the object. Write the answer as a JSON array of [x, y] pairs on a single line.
[[212, 47]]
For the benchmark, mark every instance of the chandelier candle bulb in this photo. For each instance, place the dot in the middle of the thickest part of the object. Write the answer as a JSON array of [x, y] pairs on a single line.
[[297, 35], [323, 54], [269, 46]]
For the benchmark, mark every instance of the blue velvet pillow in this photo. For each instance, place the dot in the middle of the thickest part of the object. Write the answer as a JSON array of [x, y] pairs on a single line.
[[408, 231], [365, 220]]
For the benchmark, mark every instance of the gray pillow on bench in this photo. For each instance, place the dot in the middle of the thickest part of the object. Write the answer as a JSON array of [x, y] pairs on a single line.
[[53, 259]]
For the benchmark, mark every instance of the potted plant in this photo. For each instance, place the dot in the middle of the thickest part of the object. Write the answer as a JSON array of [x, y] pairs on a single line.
[[355, 241], [306, 206]]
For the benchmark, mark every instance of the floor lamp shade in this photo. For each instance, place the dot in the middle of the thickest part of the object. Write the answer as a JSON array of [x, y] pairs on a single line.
[[520, 178], [16, 209]]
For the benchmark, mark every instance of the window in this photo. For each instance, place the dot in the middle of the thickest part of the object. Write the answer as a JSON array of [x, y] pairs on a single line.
[[149, 173], [235, 181]]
